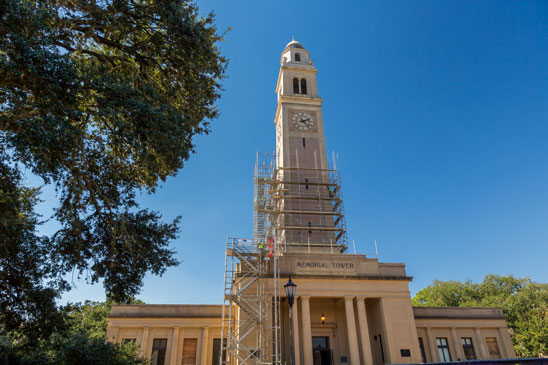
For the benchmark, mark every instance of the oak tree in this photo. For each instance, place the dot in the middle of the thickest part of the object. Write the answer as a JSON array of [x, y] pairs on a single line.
[[523, 302], [101, 99]]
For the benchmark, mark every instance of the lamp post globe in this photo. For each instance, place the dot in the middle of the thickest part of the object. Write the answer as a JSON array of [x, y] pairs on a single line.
[[290, 289]]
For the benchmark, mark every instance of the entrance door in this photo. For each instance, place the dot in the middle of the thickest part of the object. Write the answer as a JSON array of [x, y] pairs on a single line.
[[322, 353]]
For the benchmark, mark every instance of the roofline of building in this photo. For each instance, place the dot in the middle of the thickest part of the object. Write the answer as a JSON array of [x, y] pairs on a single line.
[[215, 311], [458, 313], [166, 311]]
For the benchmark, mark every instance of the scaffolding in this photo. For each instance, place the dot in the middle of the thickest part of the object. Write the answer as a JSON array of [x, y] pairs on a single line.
[[248, 331], [250, 325], [302, 208], [295, 210]]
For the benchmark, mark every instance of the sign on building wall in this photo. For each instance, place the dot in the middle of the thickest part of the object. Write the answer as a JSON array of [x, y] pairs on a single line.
[[325, 266]]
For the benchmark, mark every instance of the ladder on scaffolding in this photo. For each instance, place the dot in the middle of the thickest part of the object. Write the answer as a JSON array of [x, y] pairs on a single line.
[[250, 330]]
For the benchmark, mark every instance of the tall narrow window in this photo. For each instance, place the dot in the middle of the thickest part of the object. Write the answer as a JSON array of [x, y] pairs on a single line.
[[423, 353], [297, 57], [295, 85], [468, 348], [190, 346], [304, 142], [217, 351], [443, 349], [493, 347], [303, 86], [309, 225], [306, 184], [159, 346]]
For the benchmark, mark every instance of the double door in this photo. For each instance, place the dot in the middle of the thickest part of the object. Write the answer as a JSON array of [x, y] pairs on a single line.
[[322, 353]]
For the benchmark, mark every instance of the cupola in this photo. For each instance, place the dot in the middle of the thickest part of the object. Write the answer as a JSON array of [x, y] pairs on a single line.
[[295, 53]]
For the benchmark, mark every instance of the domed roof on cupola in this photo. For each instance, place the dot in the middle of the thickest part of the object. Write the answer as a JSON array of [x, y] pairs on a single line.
[[294, 44], [295, 54]]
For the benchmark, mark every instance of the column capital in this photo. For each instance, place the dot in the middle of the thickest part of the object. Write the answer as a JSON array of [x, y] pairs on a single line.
[[176, 327], [348, 298], [361, 297], [304, 297]]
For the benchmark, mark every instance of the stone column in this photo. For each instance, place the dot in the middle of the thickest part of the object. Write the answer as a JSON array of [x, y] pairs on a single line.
[[307, 331], [456, 344], [351, 327], [205, 333], [481, 344], [503, 353], [144, 341], [364, 332], [174, 345], [296, 332], [432, 345]]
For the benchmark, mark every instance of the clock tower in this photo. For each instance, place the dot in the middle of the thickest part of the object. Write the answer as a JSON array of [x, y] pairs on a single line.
[[300, 141], [309, 216]]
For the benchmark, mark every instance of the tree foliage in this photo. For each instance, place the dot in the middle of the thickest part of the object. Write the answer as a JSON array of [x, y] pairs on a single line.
[[80, 341], [27, 284], [524, 303], [101, 99], [89, 318]]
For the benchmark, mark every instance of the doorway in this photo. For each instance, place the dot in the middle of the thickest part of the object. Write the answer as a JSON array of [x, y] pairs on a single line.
[[321, 350]]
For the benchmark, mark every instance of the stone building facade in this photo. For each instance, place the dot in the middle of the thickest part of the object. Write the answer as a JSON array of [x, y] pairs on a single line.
[[349, 309]]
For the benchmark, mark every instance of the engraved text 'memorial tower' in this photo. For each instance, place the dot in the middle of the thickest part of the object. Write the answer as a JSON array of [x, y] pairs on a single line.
[[306, 195]]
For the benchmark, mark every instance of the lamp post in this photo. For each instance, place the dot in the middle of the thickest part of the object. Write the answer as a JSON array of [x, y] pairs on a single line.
[[290, 289]]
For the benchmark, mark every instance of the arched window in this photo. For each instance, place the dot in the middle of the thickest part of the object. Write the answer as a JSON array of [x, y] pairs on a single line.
[[297, 57], [296, 85], [303, 86]]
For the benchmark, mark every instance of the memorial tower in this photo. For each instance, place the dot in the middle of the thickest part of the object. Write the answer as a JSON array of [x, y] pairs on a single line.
[[307, 203]]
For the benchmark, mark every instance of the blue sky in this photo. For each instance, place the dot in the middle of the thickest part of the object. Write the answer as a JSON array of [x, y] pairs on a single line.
[[438, 112]]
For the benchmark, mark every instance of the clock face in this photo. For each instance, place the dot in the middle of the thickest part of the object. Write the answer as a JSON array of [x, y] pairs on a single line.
[[303, 121]]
